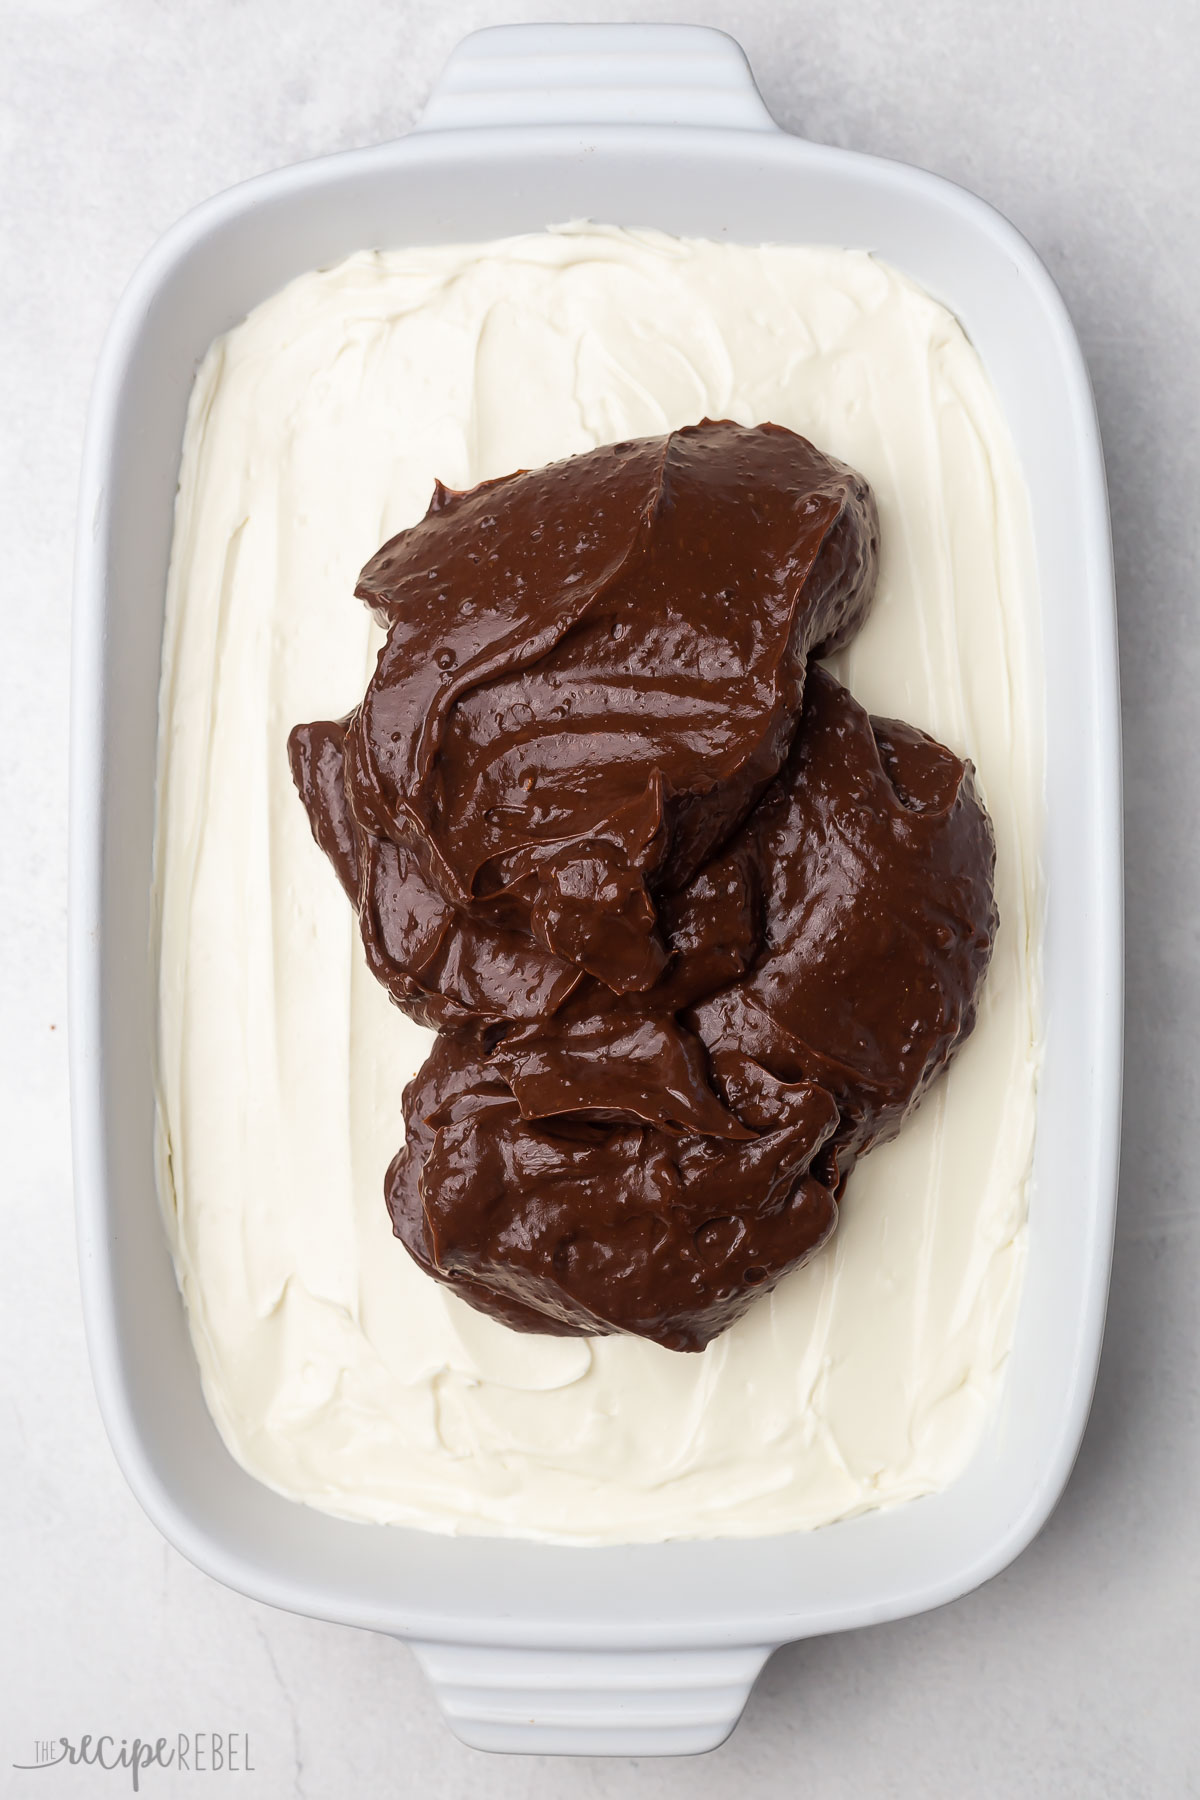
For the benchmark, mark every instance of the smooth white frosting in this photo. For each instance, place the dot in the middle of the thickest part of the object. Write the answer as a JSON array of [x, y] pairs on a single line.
[[336, 1371]]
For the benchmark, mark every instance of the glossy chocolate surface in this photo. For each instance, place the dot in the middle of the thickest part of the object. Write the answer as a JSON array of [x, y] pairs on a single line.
[[696, 930], [592, 671]]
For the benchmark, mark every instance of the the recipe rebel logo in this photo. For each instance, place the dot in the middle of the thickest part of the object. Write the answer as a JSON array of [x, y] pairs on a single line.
[[189, 1753]]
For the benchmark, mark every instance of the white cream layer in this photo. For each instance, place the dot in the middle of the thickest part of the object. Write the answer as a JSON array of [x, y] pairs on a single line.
[[335, 1370]]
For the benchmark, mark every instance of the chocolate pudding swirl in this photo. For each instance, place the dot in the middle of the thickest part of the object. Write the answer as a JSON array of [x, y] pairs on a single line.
[[695, 930]]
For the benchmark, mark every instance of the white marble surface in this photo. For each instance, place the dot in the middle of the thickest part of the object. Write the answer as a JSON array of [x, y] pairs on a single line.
[[1074, 1674]]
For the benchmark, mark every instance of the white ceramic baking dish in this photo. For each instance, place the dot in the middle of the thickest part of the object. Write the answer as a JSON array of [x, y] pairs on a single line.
[[648, 1649]]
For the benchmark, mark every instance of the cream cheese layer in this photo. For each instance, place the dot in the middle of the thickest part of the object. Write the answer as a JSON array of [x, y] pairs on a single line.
[[335, 1370]]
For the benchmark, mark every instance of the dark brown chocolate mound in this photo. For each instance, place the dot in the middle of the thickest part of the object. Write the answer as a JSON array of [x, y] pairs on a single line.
[[875, 859], [619, 1167], [593, 670], [446, 965], [695, 930], [585, 1223]]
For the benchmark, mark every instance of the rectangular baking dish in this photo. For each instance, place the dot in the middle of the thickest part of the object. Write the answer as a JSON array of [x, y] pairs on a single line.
[[645, 1649]]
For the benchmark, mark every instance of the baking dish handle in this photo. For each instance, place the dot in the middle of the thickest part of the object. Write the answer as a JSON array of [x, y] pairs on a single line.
[[588, 75], [592, 1702]]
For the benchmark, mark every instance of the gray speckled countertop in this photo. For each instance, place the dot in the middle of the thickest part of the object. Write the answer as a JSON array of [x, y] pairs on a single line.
[[1077, 1672]]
